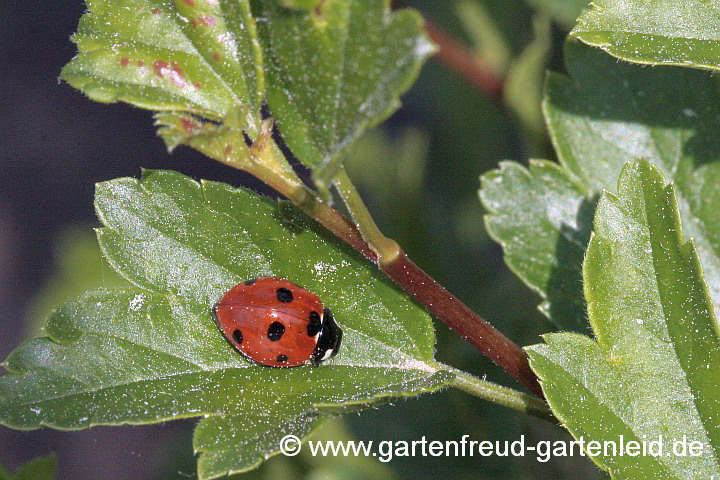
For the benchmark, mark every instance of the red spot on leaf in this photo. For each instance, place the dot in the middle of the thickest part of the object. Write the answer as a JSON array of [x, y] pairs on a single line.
[[197, 85], [161, 68], [207, 21], [216, 56], [189, 3], [155, 11], [140, 63], [124, 61], [177, 75], [188, 125]]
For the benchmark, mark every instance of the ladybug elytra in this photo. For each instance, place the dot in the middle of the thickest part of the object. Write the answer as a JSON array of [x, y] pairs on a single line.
[[277, 323]]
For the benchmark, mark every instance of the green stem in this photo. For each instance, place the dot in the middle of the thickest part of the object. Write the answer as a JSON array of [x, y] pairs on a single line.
[[504, 396], [387, 249]]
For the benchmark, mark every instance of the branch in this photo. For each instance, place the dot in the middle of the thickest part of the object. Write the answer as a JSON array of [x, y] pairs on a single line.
[[456, 56], [463, 321], [438, 301], [507, 397], [393, 261], [459, 58]]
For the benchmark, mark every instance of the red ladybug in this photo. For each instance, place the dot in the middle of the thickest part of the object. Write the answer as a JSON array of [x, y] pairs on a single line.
[[275, 322]]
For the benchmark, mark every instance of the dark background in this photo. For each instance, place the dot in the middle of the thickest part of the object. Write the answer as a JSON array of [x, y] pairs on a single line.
[[55, 145]]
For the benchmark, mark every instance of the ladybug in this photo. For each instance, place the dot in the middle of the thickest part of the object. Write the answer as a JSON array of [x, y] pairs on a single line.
[[277, 323]]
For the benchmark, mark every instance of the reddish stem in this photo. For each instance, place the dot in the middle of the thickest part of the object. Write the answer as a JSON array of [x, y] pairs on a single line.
[[463, 321], [411, 278], [438, 301], [328, 217], [459, 58], [456, 56], [349, 233]]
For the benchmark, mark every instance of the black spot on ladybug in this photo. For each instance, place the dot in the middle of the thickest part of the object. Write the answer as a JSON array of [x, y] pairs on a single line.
[[282, 358], [238, 336], [250, 282], [284, 295], [315, 324], [275, 331]]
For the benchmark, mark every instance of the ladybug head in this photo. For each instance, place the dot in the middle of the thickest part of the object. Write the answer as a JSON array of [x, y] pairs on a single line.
[[329, 340]]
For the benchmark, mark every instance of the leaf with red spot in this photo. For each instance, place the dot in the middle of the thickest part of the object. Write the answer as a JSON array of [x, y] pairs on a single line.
[[179, 56], [334, 69]]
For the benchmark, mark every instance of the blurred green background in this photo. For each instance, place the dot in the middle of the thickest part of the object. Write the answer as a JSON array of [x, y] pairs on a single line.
[[418, 173]]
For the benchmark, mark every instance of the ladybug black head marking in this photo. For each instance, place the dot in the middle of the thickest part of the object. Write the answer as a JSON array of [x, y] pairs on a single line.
[[329, 342]]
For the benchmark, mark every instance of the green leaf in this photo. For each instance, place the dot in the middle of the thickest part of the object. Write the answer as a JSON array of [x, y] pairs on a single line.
[[667, 32], [606, 114], [181, 57], [335, 68], [542, 220], [611, 113], [41, 468], [152, 352], [216, 437], [336, 71], [483, 30], [652, 370], [237, 443]]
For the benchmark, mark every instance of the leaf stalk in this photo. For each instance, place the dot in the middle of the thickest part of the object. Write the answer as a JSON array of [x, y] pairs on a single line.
[[504, 396], [387, 249]]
